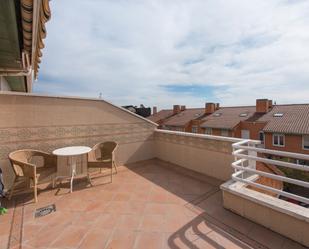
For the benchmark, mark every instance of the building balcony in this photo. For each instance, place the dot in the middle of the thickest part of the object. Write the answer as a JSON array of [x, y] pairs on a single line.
[[172, 189]]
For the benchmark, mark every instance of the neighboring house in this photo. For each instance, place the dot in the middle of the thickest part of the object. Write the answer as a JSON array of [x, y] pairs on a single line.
[[181, 118], [287, 128], [279, 127], [188, 120], [21, 43], [161, 116], [142, 110], [226, 121], [183, 121]]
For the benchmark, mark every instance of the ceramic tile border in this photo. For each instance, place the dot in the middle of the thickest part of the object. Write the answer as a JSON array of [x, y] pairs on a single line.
[[49, 138]]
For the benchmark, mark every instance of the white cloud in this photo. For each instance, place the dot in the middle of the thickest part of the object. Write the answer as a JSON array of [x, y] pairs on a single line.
[[128, 49]]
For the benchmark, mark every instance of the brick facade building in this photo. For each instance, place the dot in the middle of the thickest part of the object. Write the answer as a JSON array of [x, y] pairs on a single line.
[[279, 127]]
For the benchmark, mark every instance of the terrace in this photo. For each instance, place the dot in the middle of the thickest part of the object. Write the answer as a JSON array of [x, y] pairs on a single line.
[[150, 204], [172, 189]]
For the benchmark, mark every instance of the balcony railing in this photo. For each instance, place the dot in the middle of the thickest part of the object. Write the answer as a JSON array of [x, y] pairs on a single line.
[[247, 153]]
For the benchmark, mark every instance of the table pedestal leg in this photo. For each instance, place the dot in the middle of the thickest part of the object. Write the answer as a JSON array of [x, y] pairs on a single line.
[[73, 170]]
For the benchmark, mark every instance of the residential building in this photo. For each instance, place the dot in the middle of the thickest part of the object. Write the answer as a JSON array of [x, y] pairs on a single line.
[[287, 128], [278, 127], [226, 121], [182, 118], [185, 120], [22, 26], [141, 110], [161, 116]]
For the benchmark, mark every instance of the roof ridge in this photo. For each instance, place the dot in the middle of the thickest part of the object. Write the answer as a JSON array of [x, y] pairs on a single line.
[[245, 106], [291, 104]]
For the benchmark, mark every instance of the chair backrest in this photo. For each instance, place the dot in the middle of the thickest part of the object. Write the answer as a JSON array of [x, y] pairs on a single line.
[[103, 150], [19, 157]]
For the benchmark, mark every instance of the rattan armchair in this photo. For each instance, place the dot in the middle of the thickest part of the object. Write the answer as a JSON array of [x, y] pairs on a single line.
[[102, 156], [25, 169]]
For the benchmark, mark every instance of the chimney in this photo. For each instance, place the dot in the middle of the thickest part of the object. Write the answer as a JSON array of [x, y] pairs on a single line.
[[176, 109], [270, 104], [183, 107], [217, 106], [210, 108], [262, 105], [154, 110]]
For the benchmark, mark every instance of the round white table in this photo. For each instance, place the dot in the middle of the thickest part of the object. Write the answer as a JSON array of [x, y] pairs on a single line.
[[71, 153]]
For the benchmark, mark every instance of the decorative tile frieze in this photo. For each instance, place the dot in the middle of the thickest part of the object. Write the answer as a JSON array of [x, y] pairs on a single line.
[[52, 132], [48, 138]]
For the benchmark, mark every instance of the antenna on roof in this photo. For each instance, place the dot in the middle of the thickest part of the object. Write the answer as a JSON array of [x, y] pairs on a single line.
[[100, 96]]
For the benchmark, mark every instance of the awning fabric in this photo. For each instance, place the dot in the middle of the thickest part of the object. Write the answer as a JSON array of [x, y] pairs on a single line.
[[27, 26]]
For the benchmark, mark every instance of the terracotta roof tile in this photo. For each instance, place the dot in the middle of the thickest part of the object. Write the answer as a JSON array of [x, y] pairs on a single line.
[[295, 119], [163, 114], [228, 117], [185, 116]]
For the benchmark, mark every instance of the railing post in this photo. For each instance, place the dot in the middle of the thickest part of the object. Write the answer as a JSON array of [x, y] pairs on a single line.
[[252, 163], [247, 153]]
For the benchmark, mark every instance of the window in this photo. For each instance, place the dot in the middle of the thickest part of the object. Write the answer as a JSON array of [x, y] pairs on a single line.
[[208, 131], [194, 129], [224, 133], [217, 114], [261, 136], [278, 140], [306, 142], [245, 134], [278, 115], [243, 115]]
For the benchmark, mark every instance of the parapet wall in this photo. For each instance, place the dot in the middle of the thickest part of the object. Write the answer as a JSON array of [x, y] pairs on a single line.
[[45, 123], [210, 155]]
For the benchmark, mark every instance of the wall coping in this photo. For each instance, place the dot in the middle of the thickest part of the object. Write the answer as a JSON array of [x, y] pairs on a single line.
[[204, 136], [282, 206], [75, 98]]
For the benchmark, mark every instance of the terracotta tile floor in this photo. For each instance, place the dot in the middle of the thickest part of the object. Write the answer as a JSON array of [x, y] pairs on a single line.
[[150, 204]]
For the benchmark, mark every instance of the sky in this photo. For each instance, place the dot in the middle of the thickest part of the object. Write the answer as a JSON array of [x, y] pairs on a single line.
[[166, 52]]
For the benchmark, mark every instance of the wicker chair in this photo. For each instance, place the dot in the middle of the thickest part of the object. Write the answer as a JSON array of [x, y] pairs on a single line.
[[26, 170], [102, 155]]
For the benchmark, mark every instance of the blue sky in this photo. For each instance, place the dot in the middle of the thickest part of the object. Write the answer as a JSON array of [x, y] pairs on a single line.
[[167, 52]]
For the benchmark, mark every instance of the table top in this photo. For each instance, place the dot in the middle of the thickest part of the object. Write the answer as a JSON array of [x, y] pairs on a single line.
[[72, 151]]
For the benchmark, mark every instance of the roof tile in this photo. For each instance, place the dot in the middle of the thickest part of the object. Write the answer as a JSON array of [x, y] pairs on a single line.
[[185, 116], [295, 119], [229, 117], [163, 114]]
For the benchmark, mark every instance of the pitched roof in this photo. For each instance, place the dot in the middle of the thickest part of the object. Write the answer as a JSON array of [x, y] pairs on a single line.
[[163, 114], [185, 116], [228, 117], [295, 119]]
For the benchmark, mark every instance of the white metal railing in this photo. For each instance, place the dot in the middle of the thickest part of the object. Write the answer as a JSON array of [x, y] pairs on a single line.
[[247, 154]]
